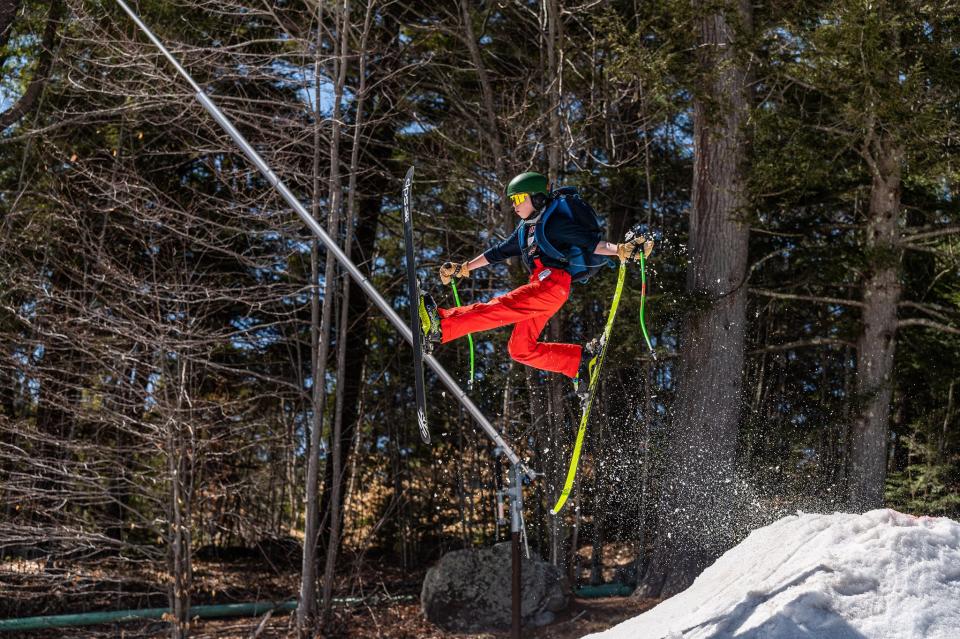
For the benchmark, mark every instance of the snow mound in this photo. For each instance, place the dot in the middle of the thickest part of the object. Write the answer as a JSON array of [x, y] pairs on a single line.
[[880, 575]]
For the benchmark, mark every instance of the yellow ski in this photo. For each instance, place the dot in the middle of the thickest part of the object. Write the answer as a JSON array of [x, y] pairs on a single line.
[[592, 391]]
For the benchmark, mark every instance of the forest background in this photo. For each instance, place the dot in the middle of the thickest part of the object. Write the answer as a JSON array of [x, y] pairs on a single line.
[[164, 317]]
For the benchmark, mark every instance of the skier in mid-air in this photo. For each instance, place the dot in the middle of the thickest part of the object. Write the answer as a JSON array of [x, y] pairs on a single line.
[[560, 241]]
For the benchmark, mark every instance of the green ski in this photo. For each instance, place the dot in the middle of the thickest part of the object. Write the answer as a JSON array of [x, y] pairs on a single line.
[[592, 391]]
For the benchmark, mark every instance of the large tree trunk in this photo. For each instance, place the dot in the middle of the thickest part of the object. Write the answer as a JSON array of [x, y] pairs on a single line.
[[877, 342], [696, 515]]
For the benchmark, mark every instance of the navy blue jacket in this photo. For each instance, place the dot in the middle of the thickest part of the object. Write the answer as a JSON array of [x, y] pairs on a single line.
[[562, 232]]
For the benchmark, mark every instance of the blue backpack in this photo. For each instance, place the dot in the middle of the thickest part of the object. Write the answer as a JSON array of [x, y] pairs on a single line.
[[579, 261]]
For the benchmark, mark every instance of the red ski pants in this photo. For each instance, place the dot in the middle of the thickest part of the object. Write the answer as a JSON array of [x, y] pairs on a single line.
[[528, 307]]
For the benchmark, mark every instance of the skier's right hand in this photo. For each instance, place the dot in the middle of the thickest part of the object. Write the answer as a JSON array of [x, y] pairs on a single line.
[[449, 271], [630, 249]]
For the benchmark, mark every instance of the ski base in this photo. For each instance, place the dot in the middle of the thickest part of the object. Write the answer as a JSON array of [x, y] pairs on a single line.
[[413, 292], [591, 393]]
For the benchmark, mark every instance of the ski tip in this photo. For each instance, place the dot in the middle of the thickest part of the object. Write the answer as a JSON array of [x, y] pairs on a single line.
[[422, 423], [409, 175], [559, 505]]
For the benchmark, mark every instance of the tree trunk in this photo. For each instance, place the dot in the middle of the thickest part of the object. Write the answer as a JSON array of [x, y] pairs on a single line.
[[565, 540], [320, 350], [355, 341], [696, 517], [336, 442], [376, 143], [491, 131], [554, 87], [877, 342], [179, 444]]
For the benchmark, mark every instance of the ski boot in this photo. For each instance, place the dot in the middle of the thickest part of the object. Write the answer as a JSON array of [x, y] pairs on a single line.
[[588, 359], [429, 323]]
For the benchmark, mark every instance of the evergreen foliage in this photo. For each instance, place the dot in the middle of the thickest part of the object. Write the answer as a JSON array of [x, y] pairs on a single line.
[[156, 330]]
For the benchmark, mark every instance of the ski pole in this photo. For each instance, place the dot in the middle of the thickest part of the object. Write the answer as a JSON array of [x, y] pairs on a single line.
[[456, 298], [643, 297]]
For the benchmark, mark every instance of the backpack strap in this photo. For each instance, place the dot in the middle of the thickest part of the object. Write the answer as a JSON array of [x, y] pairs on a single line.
[[540, 234]]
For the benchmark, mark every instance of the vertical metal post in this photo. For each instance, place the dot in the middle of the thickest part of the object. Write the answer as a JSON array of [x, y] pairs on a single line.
[[501, 515], [516, 524]]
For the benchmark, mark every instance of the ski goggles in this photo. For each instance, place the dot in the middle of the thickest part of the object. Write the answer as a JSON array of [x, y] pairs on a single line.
[[519, 198]]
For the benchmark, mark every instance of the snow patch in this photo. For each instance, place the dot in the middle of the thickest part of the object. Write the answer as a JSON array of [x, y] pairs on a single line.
[[880, 575]]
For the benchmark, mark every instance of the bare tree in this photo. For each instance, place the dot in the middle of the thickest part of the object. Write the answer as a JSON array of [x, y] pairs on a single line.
[[320, 339], [343, 29]]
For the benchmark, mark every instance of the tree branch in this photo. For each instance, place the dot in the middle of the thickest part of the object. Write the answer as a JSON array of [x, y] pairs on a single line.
[[816, 341], [921, 249], [922, 234], [44, 63], [925, 323], [8, 11], [934, 310], [805, 298]]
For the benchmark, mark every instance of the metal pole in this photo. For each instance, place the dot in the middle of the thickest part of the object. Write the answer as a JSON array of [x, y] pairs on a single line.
[[404, 329], [516, 514]]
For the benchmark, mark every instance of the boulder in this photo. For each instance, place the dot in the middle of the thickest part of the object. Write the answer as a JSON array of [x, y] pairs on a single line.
[[470, 591]]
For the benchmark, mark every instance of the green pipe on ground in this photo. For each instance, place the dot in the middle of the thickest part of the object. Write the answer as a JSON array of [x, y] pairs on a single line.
[[604, 590], [227, 610], [116, 616], [201, 612]]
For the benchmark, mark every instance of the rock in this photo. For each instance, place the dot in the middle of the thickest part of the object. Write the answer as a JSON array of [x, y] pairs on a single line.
[[470, 591]]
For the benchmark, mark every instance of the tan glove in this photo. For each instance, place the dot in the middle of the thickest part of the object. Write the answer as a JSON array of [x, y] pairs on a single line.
[[629, 249], [449, 271]]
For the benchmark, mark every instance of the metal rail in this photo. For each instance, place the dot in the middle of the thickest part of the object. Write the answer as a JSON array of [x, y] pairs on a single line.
[[458, 393]]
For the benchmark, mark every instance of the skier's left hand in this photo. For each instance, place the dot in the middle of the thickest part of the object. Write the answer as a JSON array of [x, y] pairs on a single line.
[[449, 271], [629, 249]]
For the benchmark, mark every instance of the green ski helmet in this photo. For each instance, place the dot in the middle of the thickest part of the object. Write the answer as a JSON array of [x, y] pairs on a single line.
[[529, 182]]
